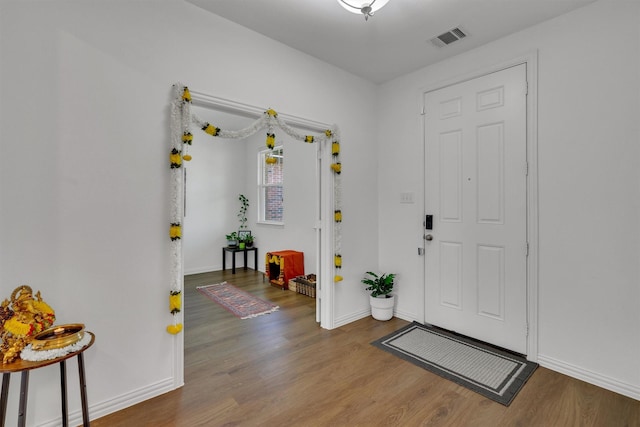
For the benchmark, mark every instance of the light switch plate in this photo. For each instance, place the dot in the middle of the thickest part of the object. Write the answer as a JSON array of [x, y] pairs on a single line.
[[406, 197]]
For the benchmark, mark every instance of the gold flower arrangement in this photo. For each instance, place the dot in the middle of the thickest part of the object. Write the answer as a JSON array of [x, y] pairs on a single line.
[[21, 318]]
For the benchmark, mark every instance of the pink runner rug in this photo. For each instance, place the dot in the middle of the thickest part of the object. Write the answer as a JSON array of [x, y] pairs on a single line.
[[241, 303]]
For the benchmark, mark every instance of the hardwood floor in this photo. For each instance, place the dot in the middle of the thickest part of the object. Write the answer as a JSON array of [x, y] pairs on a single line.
[[282, 369]]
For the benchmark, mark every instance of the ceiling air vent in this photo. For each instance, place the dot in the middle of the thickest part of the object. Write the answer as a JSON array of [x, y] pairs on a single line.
[[449, 37]]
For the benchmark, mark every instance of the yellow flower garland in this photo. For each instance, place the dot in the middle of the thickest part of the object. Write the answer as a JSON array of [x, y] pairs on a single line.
[[174, 329], [175, 306], [177, 156], [338, 261], [18, 328], [186, 95], [271, 140], [175, 231], [210, 129], [187, 138], [43, 307], [175, 301]]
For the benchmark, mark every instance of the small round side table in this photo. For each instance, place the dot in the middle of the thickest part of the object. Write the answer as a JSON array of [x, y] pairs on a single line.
[[24, 366]]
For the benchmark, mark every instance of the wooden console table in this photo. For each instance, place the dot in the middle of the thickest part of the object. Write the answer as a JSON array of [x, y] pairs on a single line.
[[234, 251], [24, 366]]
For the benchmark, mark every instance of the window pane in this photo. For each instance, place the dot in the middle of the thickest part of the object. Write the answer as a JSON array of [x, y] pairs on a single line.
[[271, 185], [274, 206], [273, 172]]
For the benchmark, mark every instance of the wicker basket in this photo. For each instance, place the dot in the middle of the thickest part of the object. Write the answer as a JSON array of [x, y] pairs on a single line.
[[306, 285]]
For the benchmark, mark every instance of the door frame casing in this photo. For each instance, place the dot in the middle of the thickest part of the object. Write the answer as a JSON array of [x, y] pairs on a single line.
[[531, 62], [323, 224]]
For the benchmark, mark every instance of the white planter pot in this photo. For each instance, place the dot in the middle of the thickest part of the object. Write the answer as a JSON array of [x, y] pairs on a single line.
[[382, 308]]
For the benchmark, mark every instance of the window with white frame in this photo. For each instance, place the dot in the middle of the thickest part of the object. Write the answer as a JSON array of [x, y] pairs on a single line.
[[271, 185]]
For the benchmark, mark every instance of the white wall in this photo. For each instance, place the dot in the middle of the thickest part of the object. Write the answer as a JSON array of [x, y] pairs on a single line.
[[216, 175], [589, 186], [84, 103]]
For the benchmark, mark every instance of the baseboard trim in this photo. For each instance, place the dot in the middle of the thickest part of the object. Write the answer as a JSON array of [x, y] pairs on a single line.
[[590, 377], [344, 320], [199, 270], [216, 268], [409, 317], [118, 403]]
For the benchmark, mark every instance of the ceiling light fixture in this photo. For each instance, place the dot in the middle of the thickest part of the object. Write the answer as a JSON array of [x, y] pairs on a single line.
[[366, 8]]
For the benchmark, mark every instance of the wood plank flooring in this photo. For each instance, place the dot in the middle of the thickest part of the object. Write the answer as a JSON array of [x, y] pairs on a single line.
[[282, 369]]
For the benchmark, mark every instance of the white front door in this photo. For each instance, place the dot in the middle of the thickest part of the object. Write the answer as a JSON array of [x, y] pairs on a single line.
[[475, 188]]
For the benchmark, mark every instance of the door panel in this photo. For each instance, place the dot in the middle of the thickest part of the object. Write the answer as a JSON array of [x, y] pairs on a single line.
[[491, 281], [490, 173], [450, 176], [451, 274], [475, 188]]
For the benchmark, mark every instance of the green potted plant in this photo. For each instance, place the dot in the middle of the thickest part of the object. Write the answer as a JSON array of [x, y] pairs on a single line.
[[381, 300], [244, 235], [232, 239], [242, 214], [249, 241]]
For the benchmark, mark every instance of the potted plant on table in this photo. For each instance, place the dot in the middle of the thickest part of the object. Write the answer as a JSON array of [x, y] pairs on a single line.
[[232, 239], [381, 300], [235, 239], [244, 235]]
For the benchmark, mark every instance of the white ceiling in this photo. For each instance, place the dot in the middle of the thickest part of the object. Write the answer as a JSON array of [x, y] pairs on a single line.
[[396, 40]]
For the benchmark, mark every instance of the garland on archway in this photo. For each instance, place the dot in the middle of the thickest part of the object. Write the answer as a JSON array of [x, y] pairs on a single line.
[[182, 139]]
